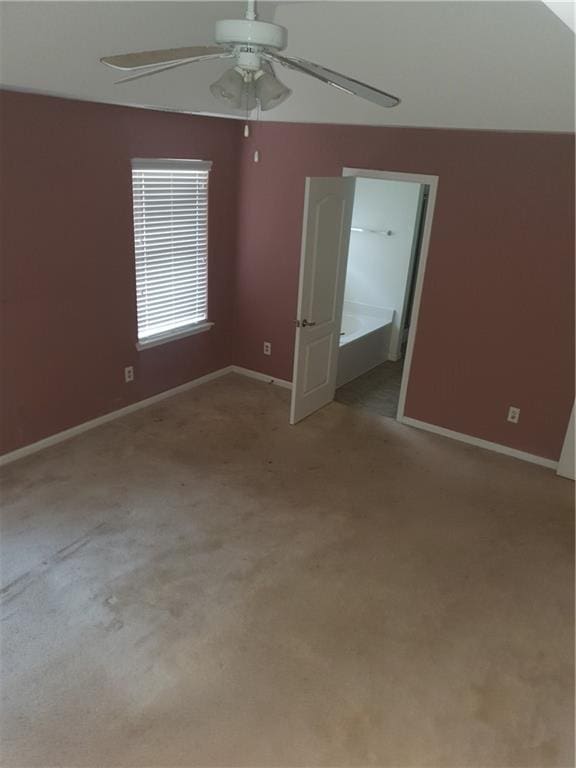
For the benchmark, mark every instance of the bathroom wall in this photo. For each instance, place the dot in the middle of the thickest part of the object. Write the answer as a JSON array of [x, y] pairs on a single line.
[[378, 264]]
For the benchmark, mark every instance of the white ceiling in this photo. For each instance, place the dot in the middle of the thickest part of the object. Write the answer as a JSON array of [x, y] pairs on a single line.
[[565, 10], [460, 64]]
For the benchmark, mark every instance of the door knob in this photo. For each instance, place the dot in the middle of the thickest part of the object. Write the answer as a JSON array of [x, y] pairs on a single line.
[[304, 323]]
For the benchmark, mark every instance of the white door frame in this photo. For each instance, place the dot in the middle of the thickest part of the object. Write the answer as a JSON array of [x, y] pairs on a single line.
[[432, 183], [566, 463]]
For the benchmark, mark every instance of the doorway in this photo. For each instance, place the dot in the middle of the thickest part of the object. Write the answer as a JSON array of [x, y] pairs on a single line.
[[326, 233], [385, 243]]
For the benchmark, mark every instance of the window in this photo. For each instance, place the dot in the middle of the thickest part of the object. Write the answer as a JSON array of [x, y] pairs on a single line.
[[170, 200]]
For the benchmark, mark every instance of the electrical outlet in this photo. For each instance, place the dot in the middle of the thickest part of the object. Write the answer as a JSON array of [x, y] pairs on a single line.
[[513, 414], [267, 348], [129, 373]]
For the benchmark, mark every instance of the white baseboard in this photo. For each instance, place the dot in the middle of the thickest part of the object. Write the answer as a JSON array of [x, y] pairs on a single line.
[[260, 376], [479, 443], [59, 437]]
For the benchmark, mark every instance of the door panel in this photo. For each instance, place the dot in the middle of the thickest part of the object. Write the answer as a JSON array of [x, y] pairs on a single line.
[[328, 207], [317, 366], [322, 295]]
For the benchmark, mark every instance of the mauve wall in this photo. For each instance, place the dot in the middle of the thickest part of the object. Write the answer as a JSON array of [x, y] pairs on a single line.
[[496, 319], [496, 322], [68, 297]]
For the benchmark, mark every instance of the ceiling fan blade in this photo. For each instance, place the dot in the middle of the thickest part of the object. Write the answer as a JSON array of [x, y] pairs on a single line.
[[335, 79], [154, 71], [165, 56]]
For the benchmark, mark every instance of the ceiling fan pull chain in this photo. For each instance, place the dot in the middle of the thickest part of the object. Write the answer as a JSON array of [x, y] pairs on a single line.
[[251, 10]]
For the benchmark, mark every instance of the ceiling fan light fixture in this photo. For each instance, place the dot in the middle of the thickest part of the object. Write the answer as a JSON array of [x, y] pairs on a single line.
[[235, 89], [270, 91], [255, 46]]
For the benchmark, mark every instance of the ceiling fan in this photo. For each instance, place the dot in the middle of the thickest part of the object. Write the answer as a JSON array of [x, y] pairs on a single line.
[[251, 80]]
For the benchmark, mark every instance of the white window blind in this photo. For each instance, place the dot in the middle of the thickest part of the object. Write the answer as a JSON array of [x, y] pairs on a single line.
[[170, 200]]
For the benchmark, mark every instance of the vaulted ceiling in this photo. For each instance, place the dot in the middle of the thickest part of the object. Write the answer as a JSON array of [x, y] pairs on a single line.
[[460, 64]]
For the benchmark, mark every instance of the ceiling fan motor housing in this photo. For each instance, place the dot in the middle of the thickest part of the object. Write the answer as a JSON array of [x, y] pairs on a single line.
[[246, 32]]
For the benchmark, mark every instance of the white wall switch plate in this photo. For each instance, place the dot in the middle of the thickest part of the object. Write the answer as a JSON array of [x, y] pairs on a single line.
[[513, 414]]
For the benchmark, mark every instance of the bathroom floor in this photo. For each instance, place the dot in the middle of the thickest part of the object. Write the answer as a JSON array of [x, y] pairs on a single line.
[[376, 391]]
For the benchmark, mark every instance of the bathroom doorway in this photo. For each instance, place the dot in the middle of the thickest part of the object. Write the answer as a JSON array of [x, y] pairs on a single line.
[[327, 227], [390, 226]]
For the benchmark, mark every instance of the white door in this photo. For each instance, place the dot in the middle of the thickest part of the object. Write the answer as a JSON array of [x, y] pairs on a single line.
[[566, 463], [328, 204]]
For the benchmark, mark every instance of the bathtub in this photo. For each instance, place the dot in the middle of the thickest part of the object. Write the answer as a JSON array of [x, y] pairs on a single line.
[[364, 340]]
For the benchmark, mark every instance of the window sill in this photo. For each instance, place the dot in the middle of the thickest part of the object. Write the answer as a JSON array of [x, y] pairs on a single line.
[[191, 330]]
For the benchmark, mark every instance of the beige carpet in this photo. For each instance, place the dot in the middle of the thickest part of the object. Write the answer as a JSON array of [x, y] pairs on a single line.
[[200, 584]]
